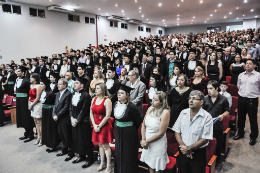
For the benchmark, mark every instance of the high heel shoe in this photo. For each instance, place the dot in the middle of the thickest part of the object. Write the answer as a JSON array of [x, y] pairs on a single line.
[[37, 142], [101, 167], [40, 143], [108, 170]]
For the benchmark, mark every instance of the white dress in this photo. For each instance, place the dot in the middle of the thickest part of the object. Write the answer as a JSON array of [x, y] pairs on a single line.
[[156, 155]]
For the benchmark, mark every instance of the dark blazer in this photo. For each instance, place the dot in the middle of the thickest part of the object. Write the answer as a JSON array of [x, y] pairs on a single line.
[[61, 108], [227, 64], [180, 56], [147, 73], [42, 73]]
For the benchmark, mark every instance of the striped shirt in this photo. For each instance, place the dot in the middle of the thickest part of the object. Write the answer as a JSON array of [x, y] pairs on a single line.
[[201, 126]]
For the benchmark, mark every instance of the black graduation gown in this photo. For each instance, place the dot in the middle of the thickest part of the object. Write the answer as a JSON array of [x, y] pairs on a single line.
[[86, 86], [11, 83], [3, 80], [90, 69], [57, 68], [55, 89], [82, 133], [127, 141], [187, 71], [50, 134], [113, 90], [23, 114]]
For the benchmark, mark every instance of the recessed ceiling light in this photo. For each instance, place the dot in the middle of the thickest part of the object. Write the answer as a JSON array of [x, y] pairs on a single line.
[[178, 15], [98, 8], [178, 5], [160, 4], [177, 24], [230, 12], [182, 0], [193, 17], [201, 1], [107, 14], [146, 19], [245, 1], [122, 11], [205, 21], [163, 20], [165, 25], [116, 5], [139, 11], [243, 15], [215, 10], [255, 16], [219, 5], [142, 15], [150, 22], [225, 16], [140, 8], [192, 20], [252, 10], [178, 18], [211, 15], [50, 0], [123, 14], [237, 7], [135, 0], [237, 18], [128, 18]]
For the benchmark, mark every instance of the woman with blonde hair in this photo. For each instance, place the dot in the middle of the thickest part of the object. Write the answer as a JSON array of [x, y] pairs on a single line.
[[128, 120], [154, 139], [98, 78], [100, 112], [199, 81]]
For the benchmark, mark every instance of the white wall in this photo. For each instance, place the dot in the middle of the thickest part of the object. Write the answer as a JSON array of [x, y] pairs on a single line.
[[257, 23], [234, 27], [249, 23], [119, 34], [23, 36], [197, 28]]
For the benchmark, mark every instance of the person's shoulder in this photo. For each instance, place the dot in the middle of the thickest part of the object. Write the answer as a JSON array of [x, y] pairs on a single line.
[[206, 113]]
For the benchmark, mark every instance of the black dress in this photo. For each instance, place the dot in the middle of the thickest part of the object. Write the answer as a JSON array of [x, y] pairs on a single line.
[[50, 135], [113, 89], [11, 83], [177, 102], [202, 86], [213, 72], [3, 80], [82, 133], [23, 114], [236, 70], [126, 137]]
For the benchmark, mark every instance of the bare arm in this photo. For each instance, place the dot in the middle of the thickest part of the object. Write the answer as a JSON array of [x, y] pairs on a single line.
[[206, 69], [220, 70], [143, 129], [223, 115], [108, 106], [230, 68], [38, 96], [198, 144], [91, 114], [178, 138]]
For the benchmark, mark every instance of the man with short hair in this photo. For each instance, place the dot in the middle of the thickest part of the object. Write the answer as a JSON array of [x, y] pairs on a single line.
[[81, 73], [193, 130], [146, 70], [41, 69], [218, 107], [34, 65], [251, 50], [189, 66], [136, 95], [71, 82], [82, 58], [228, 61], [61, 115], [123, 77], [248, 85], [11, 78], [81, 127], [112, 83]]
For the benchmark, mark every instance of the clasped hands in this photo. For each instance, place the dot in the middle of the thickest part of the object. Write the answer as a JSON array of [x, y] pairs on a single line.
[[74, 122], [144, 144], [184, 150], [96, 128]]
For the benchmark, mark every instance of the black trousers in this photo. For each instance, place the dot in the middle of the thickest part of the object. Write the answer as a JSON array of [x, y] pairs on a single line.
[[248, 106], [28, 132], [66, 138], [195, 165], [218, 134]]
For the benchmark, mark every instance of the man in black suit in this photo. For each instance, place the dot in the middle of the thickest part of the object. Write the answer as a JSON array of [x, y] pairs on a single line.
[[61, 115], [137, 53], [146, 70], [189, 66], [228, 61], [41, 69]]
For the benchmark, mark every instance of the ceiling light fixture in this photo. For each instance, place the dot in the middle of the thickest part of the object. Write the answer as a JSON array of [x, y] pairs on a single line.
[[123, 14], [237, 18], [178, 15], [201, 2], [205, 21], [255, 16], [150, 22], [163, 20], [215, 10], [98, 8], [178, 18], [219, 5], [142, 15], [211, 15], [128, 18], [135, 0], [178, 5], [165, 25], [116, 5], [146, 19], [192, 20], [107, 14], [140, 8], [193, 17], [252, 10], [245, 1], [230, 12], [237, 8], [160, 4], [177, 24], [122, 11], [243, 15], [225, 16]]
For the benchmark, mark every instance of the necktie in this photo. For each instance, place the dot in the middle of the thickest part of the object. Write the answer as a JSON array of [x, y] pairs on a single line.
[[143, 68], [41, 69]]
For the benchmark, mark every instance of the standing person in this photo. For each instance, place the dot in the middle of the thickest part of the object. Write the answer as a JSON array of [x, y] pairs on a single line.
[[81, 73], [64, 68], [50, 135], [248, 85], [23, 114], [154, 139], [81, 131], [123, 77], [178, 97], [71, 82], [128, 120], [236, 68], [11, 78], [199, 81], [2, 114], [100, 112], [112, 83], [35, 106], [53, 81], [60, 114], [189, 66], [193, 137], [155, 86], [213, 68], [98, 78]]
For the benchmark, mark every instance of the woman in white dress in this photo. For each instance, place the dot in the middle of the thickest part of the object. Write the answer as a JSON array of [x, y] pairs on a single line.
[[35, 105], [154, 139]]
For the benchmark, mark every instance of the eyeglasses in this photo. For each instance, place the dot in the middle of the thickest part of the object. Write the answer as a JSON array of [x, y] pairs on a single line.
[[192, 98]]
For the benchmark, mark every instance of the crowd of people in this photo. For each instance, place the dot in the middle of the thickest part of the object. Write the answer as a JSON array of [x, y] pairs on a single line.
[[70, 98]]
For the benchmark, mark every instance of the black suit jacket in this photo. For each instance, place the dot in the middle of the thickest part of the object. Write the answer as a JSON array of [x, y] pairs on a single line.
[[61, 108], [147, 73], [227, 64], [42, 73]]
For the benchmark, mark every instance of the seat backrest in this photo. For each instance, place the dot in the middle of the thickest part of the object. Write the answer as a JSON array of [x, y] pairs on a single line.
[[228, 79], [9, 100], [225, 121], [170, 135], [234, 106], [145, 107], [146, 96], [172, 144], [4, 99], [14, 101], [232, 90], [211, 149]]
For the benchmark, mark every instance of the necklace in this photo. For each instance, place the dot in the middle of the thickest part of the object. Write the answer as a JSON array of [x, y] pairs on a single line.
[[181, 91]]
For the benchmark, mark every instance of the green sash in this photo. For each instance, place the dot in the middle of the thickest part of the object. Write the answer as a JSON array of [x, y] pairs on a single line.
[[124, 124], [46, 106], [21, 95], [10, 82]]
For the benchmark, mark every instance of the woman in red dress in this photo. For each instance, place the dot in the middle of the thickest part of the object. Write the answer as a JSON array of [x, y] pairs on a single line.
[[101, 108]]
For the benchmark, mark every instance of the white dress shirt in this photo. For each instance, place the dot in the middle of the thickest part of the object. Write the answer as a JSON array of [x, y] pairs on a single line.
[[61, 93]]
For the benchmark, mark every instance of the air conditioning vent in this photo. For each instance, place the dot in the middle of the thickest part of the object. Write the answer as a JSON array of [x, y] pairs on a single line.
[[134, 21], [59, 9]]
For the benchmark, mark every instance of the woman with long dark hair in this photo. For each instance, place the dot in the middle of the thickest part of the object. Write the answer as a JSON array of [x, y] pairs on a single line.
[[50, 135], [236, 68], [155, 86], [213, 68]]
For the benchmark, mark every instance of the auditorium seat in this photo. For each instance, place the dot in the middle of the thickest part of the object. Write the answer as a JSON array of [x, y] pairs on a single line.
[[232, 90], [210, 156], [233, 113], [9, 101], [4, 99], [228, 79], [226, 133], [146, 96], [13, 111]]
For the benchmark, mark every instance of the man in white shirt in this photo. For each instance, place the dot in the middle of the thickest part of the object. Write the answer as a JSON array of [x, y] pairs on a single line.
[[193, 130], [174, 40], [223, 88], [204, 39]]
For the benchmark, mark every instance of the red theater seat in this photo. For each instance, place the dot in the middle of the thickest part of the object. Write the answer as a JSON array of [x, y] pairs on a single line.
[[233, 113], [232, 90], [228, 79]]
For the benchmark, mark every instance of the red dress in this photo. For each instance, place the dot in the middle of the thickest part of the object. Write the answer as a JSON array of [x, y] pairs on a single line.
[[105, 134]]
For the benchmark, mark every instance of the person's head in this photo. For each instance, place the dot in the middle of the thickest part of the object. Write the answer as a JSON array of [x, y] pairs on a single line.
[[238, 58], [10, 69], [156, 70], [158, 60], [41, 62], [64, 62], [68, 75], [144, 59], [34, 62], [123, 71], [110, 73], [223, 86], [126, 59], [34, 78], [244, 51], [196, 99], [55, 61], [123, 96], [249, 43], [213, 56], [101, 90], [118, 62], [182, 80], [176, 70], [133, 76], [62, 84], [80, 70], [199, 72], [172, 55], [213, 87], [158, 51], [3, 66], [78, 85], [159, 102], [45, 85], [192, 55], [4, 72], [227, 51], [98, 74], [250, 65], [82, 53]]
